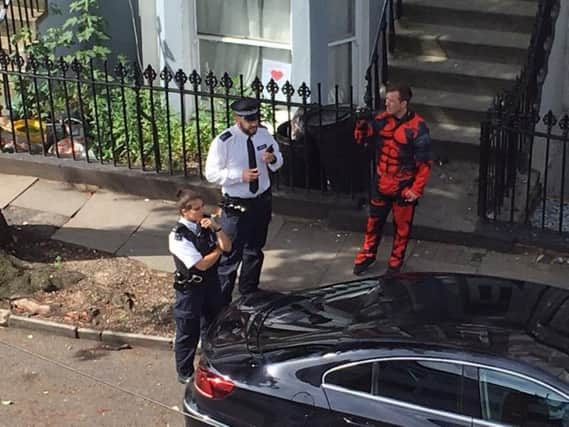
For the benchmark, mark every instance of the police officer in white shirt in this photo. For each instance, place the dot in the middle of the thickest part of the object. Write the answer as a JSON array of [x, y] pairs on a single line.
[[196, 243], [239, 160]]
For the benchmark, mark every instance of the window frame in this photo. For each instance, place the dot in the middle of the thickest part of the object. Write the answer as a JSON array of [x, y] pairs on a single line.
[[235, 40], [359, 47], [416, 407], [516, 375], [391, 401]]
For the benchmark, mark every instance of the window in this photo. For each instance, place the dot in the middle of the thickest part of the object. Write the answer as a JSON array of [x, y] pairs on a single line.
[[237, 36], [236, 59], [513, 400], [434, 385], [267, 20], [341, 37], [356, 378]]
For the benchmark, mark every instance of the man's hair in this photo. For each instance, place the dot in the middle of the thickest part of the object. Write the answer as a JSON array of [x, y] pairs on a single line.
[[185, 198], [405, 93]]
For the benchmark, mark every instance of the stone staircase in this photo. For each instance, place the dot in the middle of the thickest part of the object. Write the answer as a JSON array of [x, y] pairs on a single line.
[[20, 14], [458, 54]]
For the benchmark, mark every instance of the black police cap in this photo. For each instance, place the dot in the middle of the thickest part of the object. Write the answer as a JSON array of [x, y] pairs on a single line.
[[247, 108]]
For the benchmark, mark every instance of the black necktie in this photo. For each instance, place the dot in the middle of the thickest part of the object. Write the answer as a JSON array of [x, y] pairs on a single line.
[[253, 185]]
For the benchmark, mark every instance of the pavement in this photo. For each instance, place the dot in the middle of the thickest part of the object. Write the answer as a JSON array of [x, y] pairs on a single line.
[[300, 253]]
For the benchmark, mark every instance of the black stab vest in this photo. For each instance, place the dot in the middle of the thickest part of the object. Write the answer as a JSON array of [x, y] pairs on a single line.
[[205, 242]]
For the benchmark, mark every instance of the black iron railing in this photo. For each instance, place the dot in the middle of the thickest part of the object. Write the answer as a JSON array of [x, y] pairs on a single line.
[[509, 139], [534, 190], [377, 73], [163, 121]]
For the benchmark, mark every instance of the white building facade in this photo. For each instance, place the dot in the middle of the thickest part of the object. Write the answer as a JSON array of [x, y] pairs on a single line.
[[325, 42]]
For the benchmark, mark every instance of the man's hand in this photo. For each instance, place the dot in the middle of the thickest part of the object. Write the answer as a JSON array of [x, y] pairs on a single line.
[[268, 157], [362, 125], [209, 223], [250, 175], [409, 195]]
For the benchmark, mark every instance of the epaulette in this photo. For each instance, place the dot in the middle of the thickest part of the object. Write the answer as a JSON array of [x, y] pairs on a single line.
[[180, 230], [225, 135]]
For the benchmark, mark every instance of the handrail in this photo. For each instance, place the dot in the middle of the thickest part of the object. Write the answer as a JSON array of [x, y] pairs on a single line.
[[525, 96], [518, 109], [384, 44]]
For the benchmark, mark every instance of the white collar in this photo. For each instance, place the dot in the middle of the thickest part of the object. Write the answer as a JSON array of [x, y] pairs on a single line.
[[245, 134], [192, 226]]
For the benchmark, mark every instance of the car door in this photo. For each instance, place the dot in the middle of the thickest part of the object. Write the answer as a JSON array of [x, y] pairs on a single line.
[[397, 392], [509, 398]]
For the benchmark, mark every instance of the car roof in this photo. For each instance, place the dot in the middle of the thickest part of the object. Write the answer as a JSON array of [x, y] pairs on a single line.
[[517, 320]]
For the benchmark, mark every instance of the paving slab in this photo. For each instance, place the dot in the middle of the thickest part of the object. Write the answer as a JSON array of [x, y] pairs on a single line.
[[106, 222], [150, 248], [22, 217], [524, 267], [162, 216], [307, 255], [42, 224], [55, 197], [149, 243], [11, 186], [451, 189], [341, 267], [298, 256], [439, 257]]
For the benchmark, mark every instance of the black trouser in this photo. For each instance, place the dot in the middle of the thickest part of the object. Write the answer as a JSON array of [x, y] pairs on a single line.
[[197, 300], [248, 233]]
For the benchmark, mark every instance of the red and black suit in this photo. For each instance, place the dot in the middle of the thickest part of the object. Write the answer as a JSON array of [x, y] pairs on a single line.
[[403, 154]]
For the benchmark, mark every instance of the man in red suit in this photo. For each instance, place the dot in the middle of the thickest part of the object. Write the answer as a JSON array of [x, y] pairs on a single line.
[[402, 147]]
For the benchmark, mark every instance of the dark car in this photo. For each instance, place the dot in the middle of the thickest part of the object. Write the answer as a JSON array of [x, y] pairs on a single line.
[[412, 350]]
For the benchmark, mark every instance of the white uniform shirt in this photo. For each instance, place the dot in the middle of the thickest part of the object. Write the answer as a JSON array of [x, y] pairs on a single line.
[[228, 157], [182, 248]]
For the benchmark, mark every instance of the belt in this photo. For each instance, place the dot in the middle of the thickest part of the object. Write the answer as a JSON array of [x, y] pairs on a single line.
[[240, 204], [265, 194]]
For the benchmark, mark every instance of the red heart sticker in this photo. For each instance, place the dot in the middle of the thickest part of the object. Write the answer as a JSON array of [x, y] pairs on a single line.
[[277, 74]]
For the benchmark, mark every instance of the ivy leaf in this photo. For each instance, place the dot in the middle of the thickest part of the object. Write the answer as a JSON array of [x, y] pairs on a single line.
[[70, 22], [85, 35]]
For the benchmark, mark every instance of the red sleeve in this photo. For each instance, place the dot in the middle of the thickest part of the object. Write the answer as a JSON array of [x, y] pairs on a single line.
[[421, 177], [362, 131]]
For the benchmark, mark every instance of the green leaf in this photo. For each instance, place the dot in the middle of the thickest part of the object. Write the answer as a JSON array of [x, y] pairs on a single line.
[[70, 22]]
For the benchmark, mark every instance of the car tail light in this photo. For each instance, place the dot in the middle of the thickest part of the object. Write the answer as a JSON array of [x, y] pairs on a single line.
[[212, 385]]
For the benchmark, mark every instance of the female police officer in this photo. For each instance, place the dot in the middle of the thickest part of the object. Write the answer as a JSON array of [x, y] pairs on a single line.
[[196, 242]]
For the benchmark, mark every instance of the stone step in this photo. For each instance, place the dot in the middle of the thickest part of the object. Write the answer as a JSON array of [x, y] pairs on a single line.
[[17, 25], [453, 75], [455, 142], [507, 15], [451, 107], [455, 42], [16, 13]]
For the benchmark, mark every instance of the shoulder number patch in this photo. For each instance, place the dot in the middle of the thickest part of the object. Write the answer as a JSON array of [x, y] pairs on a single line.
[[225, 136]]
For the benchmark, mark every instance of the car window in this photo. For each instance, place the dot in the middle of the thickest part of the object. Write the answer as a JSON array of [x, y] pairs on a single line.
[[435, 385], [512, 400], [356, 378]]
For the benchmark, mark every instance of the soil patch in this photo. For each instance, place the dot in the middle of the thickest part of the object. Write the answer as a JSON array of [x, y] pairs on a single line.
[[85, 287]]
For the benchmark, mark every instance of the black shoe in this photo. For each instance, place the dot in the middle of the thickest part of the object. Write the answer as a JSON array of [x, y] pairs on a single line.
[[391, 271], [363, 266], [182, 379]]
